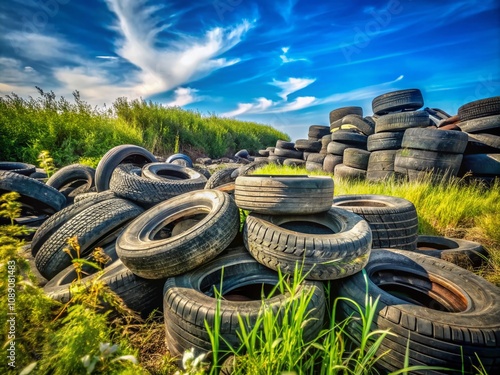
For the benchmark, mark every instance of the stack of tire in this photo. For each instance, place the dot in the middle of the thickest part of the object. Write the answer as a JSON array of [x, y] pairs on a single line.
[[311, 153], [480, 120], [284, 150], [396, 111], [317, 132]]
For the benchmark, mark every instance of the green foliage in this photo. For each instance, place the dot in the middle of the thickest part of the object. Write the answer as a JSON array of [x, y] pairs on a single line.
[[10, 207], [46, 162]]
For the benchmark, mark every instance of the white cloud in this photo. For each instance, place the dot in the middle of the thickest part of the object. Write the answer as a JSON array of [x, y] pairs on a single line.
[[260, 106], [184, 96], [107, 57], [39, 47], [285, 59], [17, 77], [291, 85], [299, 103]]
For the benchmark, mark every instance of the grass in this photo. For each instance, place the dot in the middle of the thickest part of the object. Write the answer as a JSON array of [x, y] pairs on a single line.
[[77, 132], [451, 208]]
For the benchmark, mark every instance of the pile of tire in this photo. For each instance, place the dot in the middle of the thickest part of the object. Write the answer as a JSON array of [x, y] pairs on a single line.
[[480, 120]]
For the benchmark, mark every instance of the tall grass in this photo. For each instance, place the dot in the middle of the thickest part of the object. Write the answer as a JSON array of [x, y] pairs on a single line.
[[75, 130], [450, 208]]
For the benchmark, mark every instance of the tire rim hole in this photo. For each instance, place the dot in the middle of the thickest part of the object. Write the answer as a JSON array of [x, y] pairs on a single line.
[[361, 203], [434, 246], [307, 227], [420, 290], [177, 226], [251, 292], [172, 175]]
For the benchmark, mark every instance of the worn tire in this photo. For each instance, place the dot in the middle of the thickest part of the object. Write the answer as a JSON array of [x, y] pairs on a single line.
[[350, 137], [342, 171], [339, 113], [481, 164], [480, 124], [316, 158], [312, 166], [278, 195], [295, 162], [276, 159], [331, 161], [120, 155], [221, 177], [449, 141], [483, 144], [401, 121], [458, 251], [189, 302], [337, 148], [440, 314], [318, 131], [284, 144], [286, 153], [93, 227], [20, 168], [380, 165], [385, 141], [479, 108], [74, 175], [168, 172], [441, 163], [363, 125], [149, 251], [327, 246], [410, 99], [393, 221], [307, 145], [356, 158]]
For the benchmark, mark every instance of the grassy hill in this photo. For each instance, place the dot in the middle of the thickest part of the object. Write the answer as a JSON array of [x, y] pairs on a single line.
[[75, 130]]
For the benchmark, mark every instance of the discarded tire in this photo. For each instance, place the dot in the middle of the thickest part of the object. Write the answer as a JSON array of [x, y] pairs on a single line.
[[277, 195], [479, 108], [481, 164], [440, 164], [393, 221], [339, 113], [327, 246], [441, 314], [331, 161], [221, 177], [481, 124], [401, 121], [189, 302], [385, 141], [380, 165], [394, 101], [345, 172], [448, 141], [20, 168], [356, 158], [149, 250]]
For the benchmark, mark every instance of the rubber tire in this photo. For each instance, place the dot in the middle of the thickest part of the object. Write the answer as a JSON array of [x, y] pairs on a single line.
[[295, 162], [167, 172], [280, 195], [483, 144], [316, 158], [341, 252], [401, 121], [410, 99], [119, 155], [461, 252], [431, 337], [363, 125], [381, 165], [264, 153], [342, 171], [449, 141], [419, 160], [393, 220], [331, 161], [481, 164], [186, 160], [20, 168], [286, 153], [188, 303], [306, 145], [153, 258], [221, 177], [42, 198], [276, 159], [339, 113], [481, 124], [284, 144], [385, 141], [318, 131], [356, 158], [249, 168], [92, 226], [54, 222], [349, 137], [479, 108], [337, 148], [68, 175], [127, 184], [138, 294], [312, 166]]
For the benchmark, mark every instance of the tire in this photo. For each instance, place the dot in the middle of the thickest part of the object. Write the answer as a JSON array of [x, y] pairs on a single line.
[[318, 131], [316, 158], [331, 161], [295, 162], [284, 144], [242, 154], [250, 168], [167, 172], [463, 253], [363, 125], [306, 145], [127, 184], [385, 141], [349, 137], [276, 159], [337, 148], [339, 113], [483, 144], [312, 166], [138, 294], [344, 172], [189, 302], [327, 246], [116, 156], [481, 124], [264, 153], [430, 161], [441, 314], [393, 221], [74, 175], [147, 248], [54, 222], [410, 99], [20, 168], [279, 195], [261, 159], [93, 227], [401, 121], [381, 165], [356, 158], [283, 152], [449, 141], [479, 108], [186, 160], [35, 195], [481, 164], [221, 177]]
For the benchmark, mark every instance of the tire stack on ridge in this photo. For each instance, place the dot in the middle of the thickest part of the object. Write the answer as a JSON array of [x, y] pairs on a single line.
[[480, 119], [282, 151], [292, 222], [316, 132], [311, 153], [354, 140]]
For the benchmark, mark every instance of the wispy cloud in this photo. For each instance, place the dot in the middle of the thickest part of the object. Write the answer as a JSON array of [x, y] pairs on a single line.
[[184, 96], [285, 59], [291, 85], [39, 47], [259, 106], [107, 57]]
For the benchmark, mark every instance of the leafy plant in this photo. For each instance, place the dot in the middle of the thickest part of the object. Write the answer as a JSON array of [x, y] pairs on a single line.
[[46, 162]]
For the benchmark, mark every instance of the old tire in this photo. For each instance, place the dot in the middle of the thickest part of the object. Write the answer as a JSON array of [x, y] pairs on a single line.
[[439, 163], [277, 195], [393, 220], [401, 121], [385, 141], [331, 161], [449, 141], [15, 167], [441, 314], [380, 165], [479, 108], [356, 158], [481, 164], [394, 101], [221, 177], [342, 171], [148, 249], [339, 113]]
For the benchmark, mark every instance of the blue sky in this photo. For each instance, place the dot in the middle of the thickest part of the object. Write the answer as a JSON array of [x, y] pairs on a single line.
[[283, 63]]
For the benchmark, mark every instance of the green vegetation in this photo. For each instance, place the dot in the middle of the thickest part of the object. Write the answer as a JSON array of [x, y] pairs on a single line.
[[78, 132], [451, 209]]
